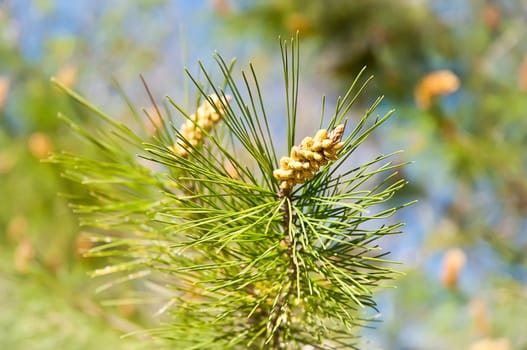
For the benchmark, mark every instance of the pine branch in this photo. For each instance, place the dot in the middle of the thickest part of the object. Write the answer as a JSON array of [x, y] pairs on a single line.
[[249, 255]]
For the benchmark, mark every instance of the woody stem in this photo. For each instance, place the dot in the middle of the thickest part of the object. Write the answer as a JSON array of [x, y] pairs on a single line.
[[281, 303]]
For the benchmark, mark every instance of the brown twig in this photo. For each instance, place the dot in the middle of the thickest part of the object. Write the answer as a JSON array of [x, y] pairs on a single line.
[[292, 270]]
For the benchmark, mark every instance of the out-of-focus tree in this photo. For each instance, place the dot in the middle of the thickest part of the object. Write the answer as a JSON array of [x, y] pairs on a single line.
[[457, 70]]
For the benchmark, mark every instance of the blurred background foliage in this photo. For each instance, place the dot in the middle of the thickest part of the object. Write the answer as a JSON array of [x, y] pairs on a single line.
[[455, 70]]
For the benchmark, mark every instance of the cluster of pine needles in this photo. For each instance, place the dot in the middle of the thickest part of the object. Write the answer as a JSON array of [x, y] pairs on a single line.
[[239, 262]]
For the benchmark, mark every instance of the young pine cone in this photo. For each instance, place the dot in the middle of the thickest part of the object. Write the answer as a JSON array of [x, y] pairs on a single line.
[[204, 119], [307, 158]]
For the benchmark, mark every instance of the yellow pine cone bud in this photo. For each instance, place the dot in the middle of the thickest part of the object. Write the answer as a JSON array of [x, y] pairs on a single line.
[[434, 84], [453, 262], [205, 118], [491, 344], [307, 158]]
